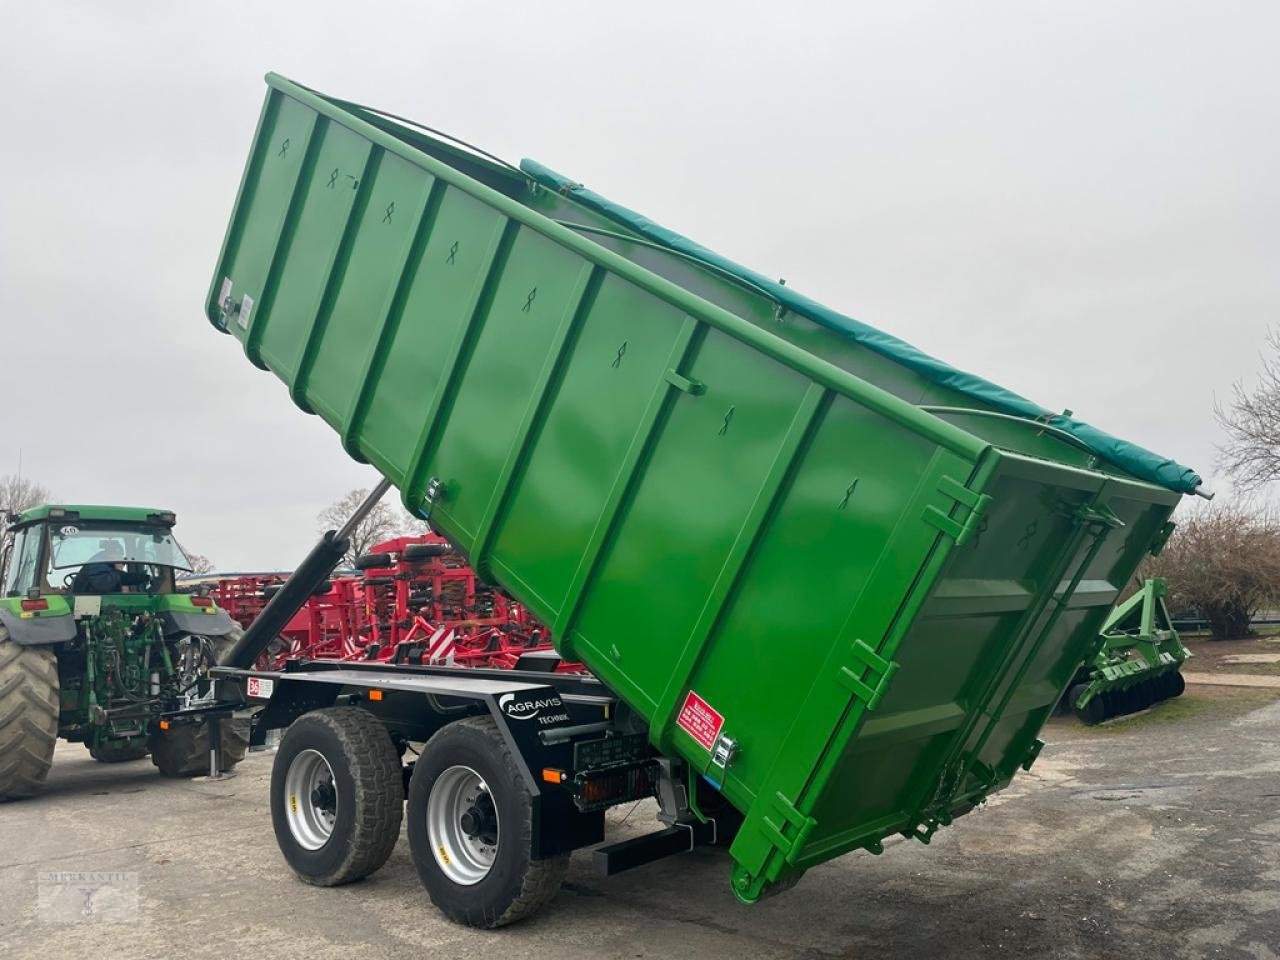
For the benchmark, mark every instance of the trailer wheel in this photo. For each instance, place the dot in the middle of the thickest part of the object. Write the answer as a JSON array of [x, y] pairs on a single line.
[[337, 796], [119, 751], [470, 824], [28, 716]]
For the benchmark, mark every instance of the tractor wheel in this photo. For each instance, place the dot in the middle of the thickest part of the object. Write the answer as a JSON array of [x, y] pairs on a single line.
[[119, 751], [183, 749], [470, 816], [28, 716], [337, 796]]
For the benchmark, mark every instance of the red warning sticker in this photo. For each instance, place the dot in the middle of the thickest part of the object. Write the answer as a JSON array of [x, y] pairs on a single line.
[[699, 720]]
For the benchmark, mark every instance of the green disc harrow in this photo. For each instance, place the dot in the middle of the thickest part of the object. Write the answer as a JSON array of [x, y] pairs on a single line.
[[1138, 664]]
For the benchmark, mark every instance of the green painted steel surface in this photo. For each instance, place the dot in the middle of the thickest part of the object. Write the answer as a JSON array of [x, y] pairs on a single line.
[[881, 587], [93, 512]]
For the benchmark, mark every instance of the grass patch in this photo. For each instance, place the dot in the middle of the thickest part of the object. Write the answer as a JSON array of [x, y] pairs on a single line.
[[1211, 703]]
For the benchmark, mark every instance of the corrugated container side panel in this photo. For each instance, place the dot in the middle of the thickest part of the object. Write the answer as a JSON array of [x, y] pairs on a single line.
[[396, 200], [289, 308], [537, 293], [618, 361], [286, 130], [445, 282], [833, 708], [815, 556], [683, 518]]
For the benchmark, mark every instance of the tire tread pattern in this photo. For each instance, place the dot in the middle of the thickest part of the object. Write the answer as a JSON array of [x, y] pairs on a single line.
[[543, 879], [28, 716], [379, 788]]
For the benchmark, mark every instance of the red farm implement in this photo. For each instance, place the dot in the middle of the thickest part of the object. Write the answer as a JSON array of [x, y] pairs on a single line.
[[412, 600], [424, 604]]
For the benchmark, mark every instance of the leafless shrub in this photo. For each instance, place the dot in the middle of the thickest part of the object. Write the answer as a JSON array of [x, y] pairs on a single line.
[[1223, 560]]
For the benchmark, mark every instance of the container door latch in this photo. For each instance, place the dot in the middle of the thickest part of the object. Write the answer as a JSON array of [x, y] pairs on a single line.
[[869, 675], [957, 528]]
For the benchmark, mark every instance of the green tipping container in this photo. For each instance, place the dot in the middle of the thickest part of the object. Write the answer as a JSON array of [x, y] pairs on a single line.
[[845, 582]]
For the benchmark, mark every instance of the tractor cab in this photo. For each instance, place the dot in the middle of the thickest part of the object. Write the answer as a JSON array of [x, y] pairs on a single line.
[[90, 550]]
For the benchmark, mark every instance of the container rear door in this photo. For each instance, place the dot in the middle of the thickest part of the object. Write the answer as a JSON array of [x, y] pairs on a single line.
[[1012, 614]]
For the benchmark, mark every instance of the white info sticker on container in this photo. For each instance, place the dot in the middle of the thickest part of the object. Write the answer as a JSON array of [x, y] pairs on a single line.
[[246, 308]]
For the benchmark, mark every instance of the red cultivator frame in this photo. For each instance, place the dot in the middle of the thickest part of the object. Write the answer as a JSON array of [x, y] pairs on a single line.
[[413, 600]]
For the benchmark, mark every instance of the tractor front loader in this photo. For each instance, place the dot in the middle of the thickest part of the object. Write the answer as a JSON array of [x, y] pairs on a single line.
[[97, 647]]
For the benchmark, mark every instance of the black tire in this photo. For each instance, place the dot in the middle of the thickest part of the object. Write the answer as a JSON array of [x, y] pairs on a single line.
[[183, 749], [368, 786], [370, 560], [425, 551], [515, 886], [28, 716], [119, 751]]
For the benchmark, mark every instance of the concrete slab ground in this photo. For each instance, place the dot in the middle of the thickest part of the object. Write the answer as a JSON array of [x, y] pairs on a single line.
[[1155, 836]]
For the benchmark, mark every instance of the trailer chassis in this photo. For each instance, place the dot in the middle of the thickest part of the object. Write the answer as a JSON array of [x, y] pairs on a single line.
[[574, 749]]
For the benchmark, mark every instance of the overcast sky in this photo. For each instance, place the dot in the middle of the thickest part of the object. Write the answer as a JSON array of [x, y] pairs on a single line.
[[1079, 201]]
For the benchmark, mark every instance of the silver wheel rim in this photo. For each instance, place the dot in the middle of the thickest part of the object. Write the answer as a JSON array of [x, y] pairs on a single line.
[[462, 825], [310, 799]]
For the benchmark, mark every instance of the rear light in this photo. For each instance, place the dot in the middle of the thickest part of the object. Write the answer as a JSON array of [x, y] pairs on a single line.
[[202, 601], [41, 604]]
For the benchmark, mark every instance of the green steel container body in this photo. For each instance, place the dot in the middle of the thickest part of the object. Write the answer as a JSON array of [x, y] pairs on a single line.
[[747, 527]]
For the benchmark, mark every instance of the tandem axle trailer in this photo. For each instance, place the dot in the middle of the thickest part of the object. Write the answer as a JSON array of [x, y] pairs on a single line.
[[545, 751]]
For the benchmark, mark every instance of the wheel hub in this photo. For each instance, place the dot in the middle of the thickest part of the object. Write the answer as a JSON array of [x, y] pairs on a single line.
[[324, 797], [463, 825], [310, 799], [480, 821]]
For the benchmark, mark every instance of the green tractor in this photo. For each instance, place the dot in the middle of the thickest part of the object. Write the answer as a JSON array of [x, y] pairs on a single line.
[[97, 646]]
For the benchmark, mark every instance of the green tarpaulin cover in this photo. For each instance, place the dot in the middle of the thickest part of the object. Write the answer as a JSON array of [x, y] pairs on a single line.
[[1128, 456]]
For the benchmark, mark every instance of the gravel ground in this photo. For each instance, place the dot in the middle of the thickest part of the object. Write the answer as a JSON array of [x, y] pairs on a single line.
[[1153, 836]]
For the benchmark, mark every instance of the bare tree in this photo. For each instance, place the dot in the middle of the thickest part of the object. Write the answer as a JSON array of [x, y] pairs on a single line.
[[385, 521], [18, 494], [1252, 423], [200, 563], [1223, 561]]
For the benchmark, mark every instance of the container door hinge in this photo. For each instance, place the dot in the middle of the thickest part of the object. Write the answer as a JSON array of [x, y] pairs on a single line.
[[869, 675], [1036, 746], [1099, 515], [1161, 538], [959, 529], [775, 828]]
